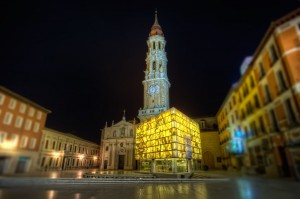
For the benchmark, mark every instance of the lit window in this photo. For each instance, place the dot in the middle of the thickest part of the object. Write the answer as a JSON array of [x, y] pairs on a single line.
[[31, 112], [28, 124], [39, 115], [22, 108], [2, 97], [36, 127], [24, 141], [12, 104], [8, 118], [14, 138], [19, 122], [2, 137]]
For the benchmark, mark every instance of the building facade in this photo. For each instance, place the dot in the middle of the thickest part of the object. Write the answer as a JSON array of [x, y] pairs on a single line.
[[210, 143], [260, 114], [117, 146], [65, 151], [156, 83], [21, 124], [168, 143]]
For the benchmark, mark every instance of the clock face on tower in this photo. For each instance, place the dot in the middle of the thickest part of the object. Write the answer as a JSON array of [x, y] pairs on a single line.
[[151, 90]]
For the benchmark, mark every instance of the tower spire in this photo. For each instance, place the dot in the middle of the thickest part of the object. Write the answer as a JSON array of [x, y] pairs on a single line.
[[156, 28]]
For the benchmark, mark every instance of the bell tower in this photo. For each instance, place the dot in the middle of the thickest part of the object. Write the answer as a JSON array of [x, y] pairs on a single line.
[[156, 83]]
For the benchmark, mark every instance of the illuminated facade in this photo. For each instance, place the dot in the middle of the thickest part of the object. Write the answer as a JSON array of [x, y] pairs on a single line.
[[21, 124], [65, 151], [168, 143], [117, 146], [156, 83], [262, 109]]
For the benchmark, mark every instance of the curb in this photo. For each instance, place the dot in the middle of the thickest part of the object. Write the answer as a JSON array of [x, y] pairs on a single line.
[[15, 182]]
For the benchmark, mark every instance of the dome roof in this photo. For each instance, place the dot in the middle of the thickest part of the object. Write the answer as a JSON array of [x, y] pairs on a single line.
[[156, 29]]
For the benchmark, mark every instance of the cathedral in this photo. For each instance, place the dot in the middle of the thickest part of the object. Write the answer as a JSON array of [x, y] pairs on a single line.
[[165, 140]]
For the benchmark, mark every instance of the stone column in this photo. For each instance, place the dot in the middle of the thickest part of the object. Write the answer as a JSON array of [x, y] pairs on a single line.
[[190, 167], [152, 166]]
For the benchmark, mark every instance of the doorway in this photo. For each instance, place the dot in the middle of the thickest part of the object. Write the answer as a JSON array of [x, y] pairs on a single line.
[[105, 164], [121, 161], [22, 165]]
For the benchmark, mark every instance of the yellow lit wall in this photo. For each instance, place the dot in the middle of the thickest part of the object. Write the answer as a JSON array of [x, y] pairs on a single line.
[[170, 134]]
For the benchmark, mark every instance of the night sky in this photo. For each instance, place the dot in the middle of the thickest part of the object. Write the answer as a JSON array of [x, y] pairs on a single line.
[[84, 60]]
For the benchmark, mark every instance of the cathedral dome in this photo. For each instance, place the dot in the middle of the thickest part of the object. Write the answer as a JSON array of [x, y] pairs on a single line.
[[156, 29]]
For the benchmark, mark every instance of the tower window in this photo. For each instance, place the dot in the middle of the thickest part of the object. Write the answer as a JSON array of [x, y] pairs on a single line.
[[154, 45], [154, 65], [159, 45]]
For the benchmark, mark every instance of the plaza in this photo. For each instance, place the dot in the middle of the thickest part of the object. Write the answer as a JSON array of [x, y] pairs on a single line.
[[212, 184]]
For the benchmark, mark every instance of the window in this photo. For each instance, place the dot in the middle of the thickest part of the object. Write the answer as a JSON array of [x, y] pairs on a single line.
[[75, 148], [65, 148], [22, 108], [53, 145], [262, 125], [273, 53], [12, 104], [290, 112], [256, 101], [2, 97], [253, 129], [24, 141], [159, 45], [19, 121], [106, 148], [36, 127], [46, 144], [32, 143], [71, 148], [154, 65], [123, 132], [282, 84], [14, 139], [2, 137], [43, 162], [131, 133], [251, 82], [28, 124], [274, 121], [267, 94], [261, 70], [39, 115], [31, 112], [59, 146], [154, 45], [8, 118]]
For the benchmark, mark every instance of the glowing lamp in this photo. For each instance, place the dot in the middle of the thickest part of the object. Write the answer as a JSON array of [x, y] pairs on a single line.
[[81, 156]]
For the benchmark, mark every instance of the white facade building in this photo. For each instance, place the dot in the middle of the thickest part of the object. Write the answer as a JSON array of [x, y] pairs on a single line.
[[117, 146], [64, 151]]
